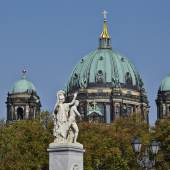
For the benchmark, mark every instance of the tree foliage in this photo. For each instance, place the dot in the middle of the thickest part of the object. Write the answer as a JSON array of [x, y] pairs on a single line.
[[162, 134], [108, 147], [23, 144]]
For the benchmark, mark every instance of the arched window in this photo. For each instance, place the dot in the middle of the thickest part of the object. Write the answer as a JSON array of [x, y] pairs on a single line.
[[20, 113]]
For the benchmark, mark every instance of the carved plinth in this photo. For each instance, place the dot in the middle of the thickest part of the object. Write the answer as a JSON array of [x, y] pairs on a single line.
[[66, 156]]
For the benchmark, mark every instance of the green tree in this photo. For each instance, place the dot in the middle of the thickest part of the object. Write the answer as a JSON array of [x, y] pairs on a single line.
[[23, 145], [162, 134], [108, 147]]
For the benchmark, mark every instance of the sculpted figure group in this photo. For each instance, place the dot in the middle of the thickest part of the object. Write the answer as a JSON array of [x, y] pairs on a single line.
[[64, 115]]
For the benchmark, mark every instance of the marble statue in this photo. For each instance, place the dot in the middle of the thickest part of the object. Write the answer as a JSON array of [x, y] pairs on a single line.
[[65, 127], [65, 153], [72, 120]]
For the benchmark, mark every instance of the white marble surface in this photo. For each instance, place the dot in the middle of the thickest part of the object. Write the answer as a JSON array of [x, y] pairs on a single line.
[[66, 156], [64, 117], [65, 145]]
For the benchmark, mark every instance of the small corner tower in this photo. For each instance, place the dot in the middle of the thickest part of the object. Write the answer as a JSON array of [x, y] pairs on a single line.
[[163, 99], [22, 101]]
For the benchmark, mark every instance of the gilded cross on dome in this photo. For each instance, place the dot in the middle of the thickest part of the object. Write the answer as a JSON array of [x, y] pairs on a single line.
[[105, 14]]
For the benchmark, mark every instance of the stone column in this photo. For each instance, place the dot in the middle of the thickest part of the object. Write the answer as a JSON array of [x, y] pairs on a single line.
[[27, 112], [164, 109], [108, 114], [15, 112], [12, 113], [66, 156]]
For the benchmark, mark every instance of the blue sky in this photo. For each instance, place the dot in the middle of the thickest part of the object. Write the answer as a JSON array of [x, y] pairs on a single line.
[[47, 37]]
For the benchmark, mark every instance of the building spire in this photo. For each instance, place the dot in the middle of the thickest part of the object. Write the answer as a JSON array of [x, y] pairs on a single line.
[[105, 39], [24, 72]]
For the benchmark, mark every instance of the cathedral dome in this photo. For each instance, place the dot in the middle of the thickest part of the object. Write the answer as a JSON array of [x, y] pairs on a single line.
[[165, 84], [104, 67], [23, 85]]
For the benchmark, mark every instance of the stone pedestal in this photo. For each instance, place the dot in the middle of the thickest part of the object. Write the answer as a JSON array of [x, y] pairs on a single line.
[[66, 156]]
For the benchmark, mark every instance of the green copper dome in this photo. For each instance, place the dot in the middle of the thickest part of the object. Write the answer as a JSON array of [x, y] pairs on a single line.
[[165, 84], [23, 85], [104, 67]]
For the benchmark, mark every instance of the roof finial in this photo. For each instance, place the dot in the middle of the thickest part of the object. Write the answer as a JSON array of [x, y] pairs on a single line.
[[24, 72], [105, 40], [105, 14]]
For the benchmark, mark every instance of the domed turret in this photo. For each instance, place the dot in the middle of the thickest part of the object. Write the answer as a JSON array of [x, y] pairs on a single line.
[[165, 84], [23, 85], [23, 101], [163, 99], [109, 80]]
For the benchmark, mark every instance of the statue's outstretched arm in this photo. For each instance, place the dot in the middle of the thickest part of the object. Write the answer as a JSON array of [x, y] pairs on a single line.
[[74, 99]]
